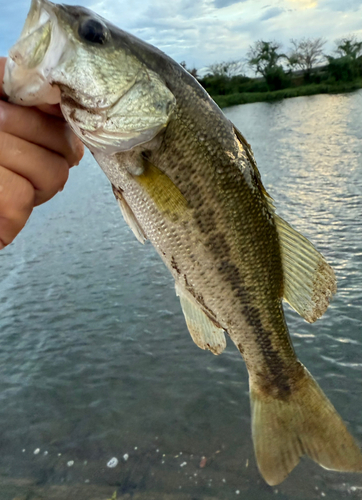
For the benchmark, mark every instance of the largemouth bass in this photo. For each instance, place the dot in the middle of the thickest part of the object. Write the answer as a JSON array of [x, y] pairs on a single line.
[[186, 179]]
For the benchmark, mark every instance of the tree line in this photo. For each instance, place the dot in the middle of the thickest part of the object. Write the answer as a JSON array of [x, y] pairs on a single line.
[[305, 63]]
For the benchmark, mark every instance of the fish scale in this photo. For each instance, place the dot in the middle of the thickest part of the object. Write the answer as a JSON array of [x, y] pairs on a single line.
[[238, 288]]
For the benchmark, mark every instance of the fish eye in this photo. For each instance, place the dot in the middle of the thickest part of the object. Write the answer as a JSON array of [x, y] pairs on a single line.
[[93, 31]]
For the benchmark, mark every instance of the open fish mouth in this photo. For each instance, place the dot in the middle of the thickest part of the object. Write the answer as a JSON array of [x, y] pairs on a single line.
[[109, 114], [32, 59]]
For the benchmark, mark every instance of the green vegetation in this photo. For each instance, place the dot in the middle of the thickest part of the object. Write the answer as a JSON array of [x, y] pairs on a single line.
[[264, 58], [304, 90], [305, 70]]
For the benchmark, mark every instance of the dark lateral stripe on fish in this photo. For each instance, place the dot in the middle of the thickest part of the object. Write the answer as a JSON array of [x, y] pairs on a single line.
[[276, 375]]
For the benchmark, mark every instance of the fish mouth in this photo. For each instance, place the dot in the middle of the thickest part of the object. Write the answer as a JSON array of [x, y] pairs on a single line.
[[34, 56], [108, 114]]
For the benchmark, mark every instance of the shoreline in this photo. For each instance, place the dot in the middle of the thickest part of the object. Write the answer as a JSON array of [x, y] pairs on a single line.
[[228, 100]]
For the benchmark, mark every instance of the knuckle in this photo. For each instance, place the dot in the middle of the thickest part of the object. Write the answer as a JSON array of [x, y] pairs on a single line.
[[10, 228], [24, 200], [6, 239], [16, 204], [76, 148], [59, 176], [63, 174], [21, 200]]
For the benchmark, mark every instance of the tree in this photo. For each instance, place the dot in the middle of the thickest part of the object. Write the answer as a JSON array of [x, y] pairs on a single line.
[[349, 47], [307, 53], [192, 71], [347, 67], [263, 57], [228, 69]]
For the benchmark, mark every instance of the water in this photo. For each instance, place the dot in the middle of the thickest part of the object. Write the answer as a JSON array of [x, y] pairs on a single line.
[[95, 359]]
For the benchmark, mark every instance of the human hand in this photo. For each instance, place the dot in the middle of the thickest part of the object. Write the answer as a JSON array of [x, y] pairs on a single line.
[[37, 148]]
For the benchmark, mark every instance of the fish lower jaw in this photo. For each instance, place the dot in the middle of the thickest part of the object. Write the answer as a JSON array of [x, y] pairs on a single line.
[[36, 91], [31, 61]]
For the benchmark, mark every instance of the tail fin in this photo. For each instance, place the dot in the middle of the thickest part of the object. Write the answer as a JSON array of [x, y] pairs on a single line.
[[306, 423]]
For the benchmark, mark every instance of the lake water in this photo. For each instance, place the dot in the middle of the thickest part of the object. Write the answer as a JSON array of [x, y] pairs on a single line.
[[95, 359]]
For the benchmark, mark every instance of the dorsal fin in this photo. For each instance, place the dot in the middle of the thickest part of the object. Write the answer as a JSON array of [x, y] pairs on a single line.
[[309, 282], [249, 153]]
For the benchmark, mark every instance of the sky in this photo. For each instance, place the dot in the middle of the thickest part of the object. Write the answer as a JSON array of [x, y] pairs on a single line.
[[205, 32]]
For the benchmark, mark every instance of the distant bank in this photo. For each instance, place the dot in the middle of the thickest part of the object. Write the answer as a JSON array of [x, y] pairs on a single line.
[[304, 70], [236, 98]]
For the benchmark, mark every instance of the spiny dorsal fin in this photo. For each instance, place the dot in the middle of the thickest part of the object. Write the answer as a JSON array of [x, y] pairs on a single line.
[[203, 331], [249, 153], [129, 216], [309, 282]]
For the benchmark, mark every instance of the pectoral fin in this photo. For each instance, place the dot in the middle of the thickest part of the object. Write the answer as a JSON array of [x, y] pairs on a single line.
[[309, 282], [129, 216], [164, 193], [203, 331]]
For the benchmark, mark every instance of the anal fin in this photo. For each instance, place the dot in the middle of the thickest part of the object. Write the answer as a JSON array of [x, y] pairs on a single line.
[[203, 331]]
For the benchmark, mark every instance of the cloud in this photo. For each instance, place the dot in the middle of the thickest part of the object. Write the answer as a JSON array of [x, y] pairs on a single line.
[[270, 13], [340, 5], [219, 4], [203, 32], [304, 4]]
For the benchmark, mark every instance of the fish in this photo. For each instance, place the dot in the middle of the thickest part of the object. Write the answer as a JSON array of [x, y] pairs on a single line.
[[186, 179]]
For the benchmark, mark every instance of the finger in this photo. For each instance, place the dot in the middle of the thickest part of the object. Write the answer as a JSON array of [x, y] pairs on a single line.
[[2, 69], [16, 204], [51, 109], [47, 131], [67, 145], [47, 171]]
